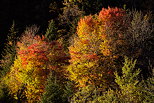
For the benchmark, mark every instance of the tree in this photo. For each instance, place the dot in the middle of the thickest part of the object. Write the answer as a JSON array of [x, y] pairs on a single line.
[[139, 37], [8, 57], [35, 59], [128, 89], [128, 82], [9, 51], [98, 44], [54, 92], [68, 21], [93, 6], [148, 89], [51, 32]]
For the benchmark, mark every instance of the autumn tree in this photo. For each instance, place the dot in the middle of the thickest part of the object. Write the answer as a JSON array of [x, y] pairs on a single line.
[[35, 59], [96, 47]]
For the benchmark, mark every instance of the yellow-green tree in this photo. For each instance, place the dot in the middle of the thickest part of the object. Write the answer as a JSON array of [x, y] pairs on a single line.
[[98, 44]]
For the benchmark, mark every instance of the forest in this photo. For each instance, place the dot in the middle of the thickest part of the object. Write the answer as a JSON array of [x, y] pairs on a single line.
[[76, 51]]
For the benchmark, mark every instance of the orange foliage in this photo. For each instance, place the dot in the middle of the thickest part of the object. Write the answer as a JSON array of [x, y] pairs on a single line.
[[94, 51], [111, 14], [35, 59]]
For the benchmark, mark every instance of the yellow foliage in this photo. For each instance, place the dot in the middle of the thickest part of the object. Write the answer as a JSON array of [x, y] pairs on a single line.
[[96, 47], [31, 67]]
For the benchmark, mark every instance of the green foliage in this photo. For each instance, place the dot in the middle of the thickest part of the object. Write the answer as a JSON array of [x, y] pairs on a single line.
[[129, 74], [109, 96], [53, 91], [128, 82], [51, 32], [148, 89], [9, 52], [85, 94], [128, 89], [34, 69], [68, 90]]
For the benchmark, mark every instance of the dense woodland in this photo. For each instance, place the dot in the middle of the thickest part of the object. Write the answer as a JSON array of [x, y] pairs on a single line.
[[76, 51]]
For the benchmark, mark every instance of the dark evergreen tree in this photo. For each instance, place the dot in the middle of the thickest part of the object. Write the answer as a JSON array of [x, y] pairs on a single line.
[[9, 51], [8, 56], [54, 92], [51, 32]]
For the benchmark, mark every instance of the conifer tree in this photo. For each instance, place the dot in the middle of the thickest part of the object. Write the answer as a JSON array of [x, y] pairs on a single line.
[[51, 32], [9, 52], [128, 82], [54, 93], [8, 57], [128, 89]]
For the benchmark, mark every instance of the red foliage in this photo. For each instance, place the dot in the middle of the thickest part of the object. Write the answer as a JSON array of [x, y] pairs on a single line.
[[111, 14], [96, 47]]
